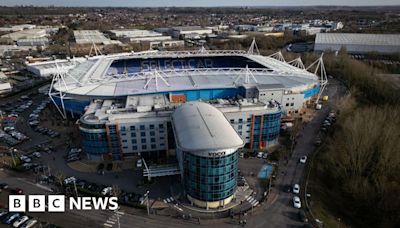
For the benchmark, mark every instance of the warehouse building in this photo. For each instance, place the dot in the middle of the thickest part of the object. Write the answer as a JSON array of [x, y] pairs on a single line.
[[90, 36], [357, 43], [188, 32], [33, 42]]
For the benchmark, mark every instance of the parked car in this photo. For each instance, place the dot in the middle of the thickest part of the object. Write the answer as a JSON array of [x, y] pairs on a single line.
[[29, 224], [37, 154], [302, 216], [287, 188], [25, 159], [106, 191], [303, 159], [3, 185], [3, 213], [34, 123], [260, 154], [10, 217], [20, 221], [139, 163], [296, 189], [296, 202], [27, 166], [69, 180], [17, 191]]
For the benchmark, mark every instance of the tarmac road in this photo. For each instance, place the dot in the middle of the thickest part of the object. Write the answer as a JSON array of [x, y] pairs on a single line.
[[279, 210]]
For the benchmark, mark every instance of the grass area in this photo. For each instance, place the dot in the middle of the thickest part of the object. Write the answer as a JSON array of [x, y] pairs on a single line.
[[327, 203], [322, 202]]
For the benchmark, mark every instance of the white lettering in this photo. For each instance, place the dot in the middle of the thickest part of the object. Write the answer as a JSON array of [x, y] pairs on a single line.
[[75, 203], [99, 203], [113, 203], [86, 203]]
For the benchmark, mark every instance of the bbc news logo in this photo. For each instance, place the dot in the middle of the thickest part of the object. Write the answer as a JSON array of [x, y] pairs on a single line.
[[57, 203]]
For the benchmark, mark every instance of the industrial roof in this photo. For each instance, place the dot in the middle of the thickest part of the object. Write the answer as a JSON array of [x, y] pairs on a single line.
[[358, 38], [89, 36], [5, 86], [200, 127]]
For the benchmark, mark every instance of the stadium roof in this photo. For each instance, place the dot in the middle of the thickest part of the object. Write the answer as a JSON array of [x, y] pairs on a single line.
[[201, 127], [90, 78]]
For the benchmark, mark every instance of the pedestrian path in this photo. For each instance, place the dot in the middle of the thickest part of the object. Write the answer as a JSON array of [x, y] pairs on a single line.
[[114, 219], [169, 200], [252, 201]]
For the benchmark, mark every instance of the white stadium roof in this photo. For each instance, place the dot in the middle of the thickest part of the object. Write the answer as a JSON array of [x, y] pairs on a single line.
[[89, 77]]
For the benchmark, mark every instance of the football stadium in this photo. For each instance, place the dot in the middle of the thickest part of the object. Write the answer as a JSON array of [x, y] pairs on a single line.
[[189, 76], [198, 107]]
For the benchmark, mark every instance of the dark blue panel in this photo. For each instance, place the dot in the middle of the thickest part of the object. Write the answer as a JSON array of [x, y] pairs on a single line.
[[75, 106]]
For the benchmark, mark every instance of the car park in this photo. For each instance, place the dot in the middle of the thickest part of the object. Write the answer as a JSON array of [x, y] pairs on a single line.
[[303, 159], [296, 189], [296, 202]]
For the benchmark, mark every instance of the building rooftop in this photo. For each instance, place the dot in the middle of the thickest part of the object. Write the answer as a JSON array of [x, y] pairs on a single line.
[[135, 33], [358, 38], [26, 34], [89, 36], [201, 127], [188, 28]]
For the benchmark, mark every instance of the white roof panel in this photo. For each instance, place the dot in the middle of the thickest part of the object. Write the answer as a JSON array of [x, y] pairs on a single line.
[[358, 38], [201, 127]]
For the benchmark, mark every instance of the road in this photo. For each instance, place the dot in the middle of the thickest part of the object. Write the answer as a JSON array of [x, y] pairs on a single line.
[[279, 211]]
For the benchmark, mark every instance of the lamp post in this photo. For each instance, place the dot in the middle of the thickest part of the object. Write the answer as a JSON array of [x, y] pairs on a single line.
[[146, 197]]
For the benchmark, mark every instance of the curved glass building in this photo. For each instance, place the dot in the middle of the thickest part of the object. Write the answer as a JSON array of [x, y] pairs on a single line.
[[94, 140], [207, 153]]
